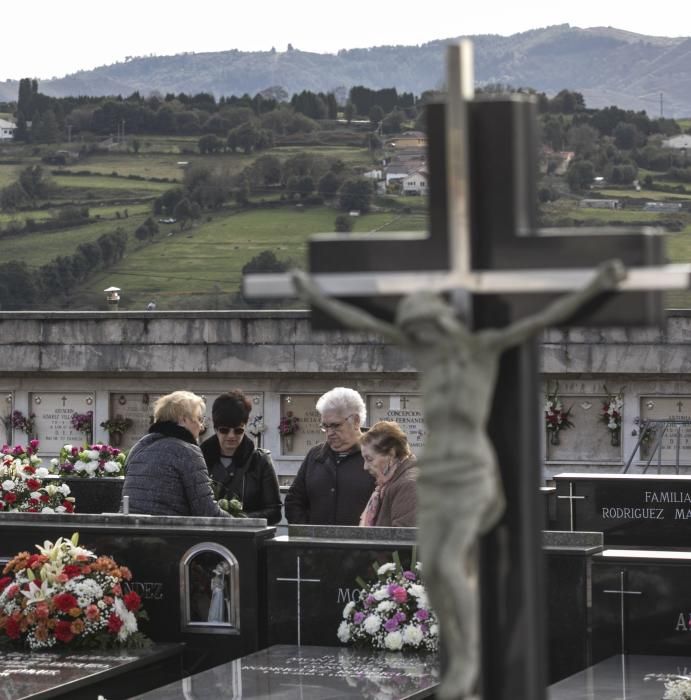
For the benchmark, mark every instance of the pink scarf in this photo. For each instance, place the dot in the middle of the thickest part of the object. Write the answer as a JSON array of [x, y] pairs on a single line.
[[369, 515]]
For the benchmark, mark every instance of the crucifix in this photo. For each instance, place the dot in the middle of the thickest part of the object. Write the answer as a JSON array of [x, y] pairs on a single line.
[[497, 273]]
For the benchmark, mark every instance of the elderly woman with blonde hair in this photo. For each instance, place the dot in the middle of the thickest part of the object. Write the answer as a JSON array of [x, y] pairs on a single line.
[[165, 471], [388, 459]]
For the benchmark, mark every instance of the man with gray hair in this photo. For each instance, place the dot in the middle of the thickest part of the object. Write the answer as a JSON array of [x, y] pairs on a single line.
[[332, 486]]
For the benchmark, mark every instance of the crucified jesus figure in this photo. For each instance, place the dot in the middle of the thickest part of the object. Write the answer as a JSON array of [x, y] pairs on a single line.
[[460, 495]]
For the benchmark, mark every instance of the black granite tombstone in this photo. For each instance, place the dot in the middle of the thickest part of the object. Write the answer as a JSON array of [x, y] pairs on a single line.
[[569, 560], [637, 510], [174, 562], [641, 602], [621, 678], [84, 675], [96, 495], [311, 673], [311, 576]]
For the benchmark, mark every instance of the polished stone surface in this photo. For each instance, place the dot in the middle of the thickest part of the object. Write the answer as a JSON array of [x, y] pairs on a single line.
[[83, 674], [640, 602], [353, 533], [620, 678], [630, 509], [289, 672]]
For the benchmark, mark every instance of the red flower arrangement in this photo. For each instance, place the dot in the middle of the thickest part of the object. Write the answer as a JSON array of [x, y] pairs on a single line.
[[66, 595]]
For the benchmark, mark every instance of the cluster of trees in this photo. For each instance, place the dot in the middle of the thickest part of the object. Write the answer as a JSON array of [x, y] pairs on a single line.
[[54, 281], [31, 185]]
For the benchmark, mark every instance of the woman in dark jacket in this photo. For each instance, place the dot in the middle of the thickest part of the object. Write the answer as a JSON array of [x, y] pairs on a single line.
[[166, 474], [239, 469]]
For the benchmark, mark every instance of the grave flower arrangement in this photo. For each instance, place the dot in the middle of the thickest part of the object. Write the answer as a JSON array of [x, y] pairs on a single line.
[[21, 422], [611, 410], [392, 612], [556, 418], [83, 422], [21, 483], [676, 687], [92, 461], [289, 424], [67, 596], [117, 424]]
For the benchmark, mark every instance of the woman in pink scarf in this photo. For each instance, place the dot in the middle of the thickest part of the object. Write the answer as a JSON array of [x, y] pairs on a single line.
[[388, 459]]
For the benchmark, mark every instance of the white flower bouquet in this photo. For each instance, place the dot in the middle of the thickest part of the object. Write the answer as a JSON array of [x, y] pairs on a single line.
[[392, 613], [22, 486], [89, 462], [676, 687]]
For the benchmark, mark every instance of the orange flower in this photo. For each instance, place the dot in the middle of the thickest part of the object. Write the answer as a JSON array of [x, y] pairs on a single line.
[[77, 627], [92, 612], [75, 612], [41, 632]]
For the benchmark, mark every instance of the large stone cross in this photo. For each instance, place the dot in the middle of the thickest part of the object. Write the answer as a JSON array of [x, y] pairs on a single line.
[[483, 248]]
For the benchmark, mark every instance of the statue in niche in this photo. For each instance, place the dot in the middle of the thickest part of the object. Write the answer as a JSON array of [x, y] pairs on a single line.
[[460, 495], [219, 608]]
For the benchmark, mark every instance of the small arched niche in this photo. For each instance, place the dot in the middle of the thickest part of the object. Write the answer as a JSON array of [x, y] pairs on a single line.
[[209, 590]]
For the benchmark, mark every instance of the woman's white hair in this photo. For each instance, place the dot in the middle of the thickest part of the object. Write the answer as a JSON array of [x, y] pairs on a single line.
[[344, 401]]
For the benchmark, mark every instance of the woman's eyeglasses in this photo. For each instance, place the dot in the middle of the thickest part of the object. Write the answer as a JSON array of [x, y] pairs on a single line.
[[225, 431]]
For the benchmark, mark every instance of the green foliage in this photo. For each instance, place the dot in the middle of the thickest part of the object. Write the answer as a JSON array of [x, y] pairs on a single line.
[[264, 262], [355, 195], [580, 175], [343, 223]]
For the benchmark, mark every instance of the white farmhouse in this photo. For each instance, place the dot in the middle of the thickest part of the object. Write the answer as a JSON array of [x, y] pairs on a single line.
[[7, 130], [416, 182]]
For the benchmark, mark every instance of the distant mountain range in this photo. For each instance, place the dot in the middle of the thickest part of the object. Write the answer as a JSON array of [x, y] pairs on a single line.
[[608, 66]]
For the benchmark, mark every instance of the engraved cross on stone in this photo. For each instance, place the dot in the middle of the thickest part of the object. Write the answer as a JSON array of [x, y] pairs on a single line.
[[299, 580], [484, 250], [622, 592], [571, 498]]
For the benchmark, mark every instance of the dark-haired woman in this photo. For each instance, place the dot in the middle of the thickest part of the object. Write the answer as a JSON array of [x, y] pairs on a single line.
[[239, 469]]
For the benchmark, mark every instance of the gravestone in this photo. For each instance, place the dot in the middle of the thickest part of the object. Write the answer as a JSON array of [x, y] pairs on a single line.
[[312, 673], [630, 509], [139, 408], [311, 577], [84, 675], [166, 555], [302, 407], [621, 677], [589, 440], [54, 412], [640, 602], [406, 410], [483, 239], [675, 441]]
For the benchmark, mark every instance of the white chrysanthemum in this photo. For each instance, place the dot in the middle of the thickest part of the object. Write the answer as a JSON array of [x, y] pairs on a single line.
[[111, 467], [67, 448], [416, 590], [343, 632], [677, 689], [348, 608], [385, 568], [35, 495], [423, 600], [393, 641], [51, 489], [34, 461], [412, 635], [60, 509], [433, 630], [64, 489], [8, 485], [612, 425], [385, 606], [381, 593], [372, 624], [129, 620], [80, 466], [86, 590], [47, 509], [92, 455]]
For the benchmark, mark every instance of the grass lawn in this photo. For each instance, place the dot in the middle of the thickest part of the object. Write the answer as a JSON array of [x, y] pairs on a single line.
[[209, 258], [99, 182], [40, 248]]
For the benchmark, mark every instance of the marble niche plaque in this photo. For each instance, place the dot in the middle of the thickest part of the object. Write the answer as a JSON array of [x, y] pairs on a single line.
[[302, 406], [53, 411], [589, 440], [669, 408], [139, 408], [404, 409], [6, 403]]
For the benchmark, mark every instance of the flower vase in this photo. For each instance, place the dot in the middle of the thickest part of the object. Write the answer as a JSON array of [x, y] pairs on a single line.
[[288, 443], [554, 437], [614, 438]]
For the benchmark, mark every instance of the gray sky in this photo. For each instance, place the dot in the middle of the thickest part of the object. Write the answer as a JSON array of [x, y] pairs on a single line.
[[61, 38]]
